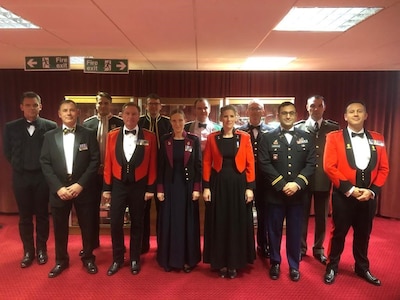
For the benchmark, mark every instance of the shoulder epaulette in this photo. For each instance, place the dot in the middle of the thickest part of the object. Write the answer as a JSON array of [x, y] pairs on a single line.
[[90, 118], [117, 117], [299, 122], [332, 122]]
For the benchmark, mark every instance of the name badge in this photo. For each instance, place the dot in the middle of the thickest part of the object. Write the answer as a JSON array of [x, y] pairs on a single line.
[[142, 142], [376, 143], [83, 147]]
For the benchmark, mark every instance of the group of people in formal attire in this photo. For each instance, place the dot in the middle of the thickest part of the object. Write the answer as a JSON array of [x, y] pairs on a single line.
[[126, 162]]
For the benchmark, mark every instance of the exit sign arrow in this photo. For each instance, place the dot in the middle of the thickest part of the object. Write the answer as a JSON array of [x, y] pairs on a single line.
[[47, 63], [106, 66]]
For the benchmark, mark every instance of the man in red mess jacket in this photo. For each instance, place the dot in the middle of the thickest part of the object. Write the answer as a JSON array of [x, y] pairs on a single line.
[[130, 171], [356, 162]]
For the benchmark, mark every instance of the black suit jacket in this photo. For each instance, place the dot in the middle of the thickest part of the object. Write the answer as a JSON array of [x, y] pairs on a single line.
[[93, 123], [85, 162], [281, 162], [15, 143]]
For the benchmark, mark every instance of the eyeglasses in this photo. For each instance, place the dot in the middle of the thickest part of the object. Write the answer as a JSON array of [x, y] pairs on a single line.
[[255, 108], [290, 113], [153, 103]]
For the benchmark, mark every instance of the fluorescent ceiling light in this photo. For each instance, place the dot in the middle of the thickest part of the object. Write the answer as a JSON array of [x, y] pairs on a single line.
[[266, 63], [10, 20], [324, 19]]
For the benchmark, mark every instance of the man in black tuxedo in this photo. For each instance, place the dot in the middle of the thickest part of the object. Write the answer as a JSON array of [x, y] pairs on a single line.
[[160, 125], [23, 139], [255, 127], [70, 161], [103, 122]]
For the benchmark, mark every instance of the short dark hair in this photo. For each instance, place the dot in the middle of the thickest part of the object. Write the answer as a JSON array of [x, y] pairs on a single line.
[[284, 104], [64, 101], [103, 95], [31, 94], [153, 96], [130, 104], [200, 100], [228, 107], [354, 102]]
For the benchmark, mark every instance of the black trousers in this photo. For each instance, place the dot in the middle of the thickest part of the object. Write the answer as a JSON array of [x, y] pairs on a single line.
[[84, 206], [321, 207], [32, 195], [349, 212], [262, 216], [129, 195]]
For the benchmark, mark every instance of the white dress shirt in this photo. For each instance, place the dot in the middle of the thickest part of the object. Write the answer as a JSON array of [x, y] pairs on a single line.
[[129, 143], [68, 143]]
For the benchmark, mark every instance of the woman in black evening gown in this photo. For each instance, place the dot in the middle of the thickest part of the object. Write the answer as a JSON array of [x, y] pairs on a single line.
[[228, 178], [178, 189]]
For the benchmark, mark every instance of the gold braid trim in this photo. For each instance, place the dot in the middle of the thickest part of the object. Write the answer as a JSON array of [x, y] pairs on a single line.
[[279, 178], [304, 178]]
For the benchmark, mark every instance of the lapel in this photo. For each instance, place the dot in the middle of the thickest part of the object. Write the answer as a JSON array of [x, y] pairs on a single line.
[[58, 136], [119, 149], [350, 154], [188, 146], [169, 149], [138, 154], [77, 141], [374, 156]]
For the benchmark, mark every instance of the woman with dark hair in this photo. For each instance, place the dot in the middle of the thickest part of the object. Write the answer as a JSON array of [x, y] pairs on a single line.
[[229, 179], [178, 189]]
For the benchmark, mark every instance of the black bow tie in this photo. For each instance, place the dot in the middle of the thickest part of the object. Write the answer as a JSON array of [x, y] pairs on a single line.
[[68, 130], [255, 127], [361, 134], [29, 124], [201, 125], [288, 131], [130, 131]]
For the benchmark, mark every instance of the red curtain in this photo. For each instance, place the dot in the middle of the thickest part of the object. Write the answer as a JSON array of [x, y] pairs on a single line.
[[378, 89]]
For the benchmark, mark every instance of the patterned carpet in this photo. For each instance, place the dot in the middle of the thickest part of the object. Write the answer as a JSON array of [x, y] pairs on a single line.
[[201, 283]]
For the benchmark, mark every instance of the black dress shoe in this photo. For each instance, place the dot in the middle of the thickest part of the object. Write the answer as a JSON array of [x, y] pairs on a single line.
[[114, 268], [223, 272], [263, 252], [232, 273], [42, 257], [274, 271], [187, 268], [321, 258], [294, 274], [27, 260], [369, 277], [135, 267], [329, 276], [57, 270], [90, 267]]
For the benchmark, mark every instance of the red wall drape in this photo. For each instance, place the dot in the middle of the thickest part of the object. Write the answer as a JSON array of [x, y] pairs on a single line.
[[380, 90]]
